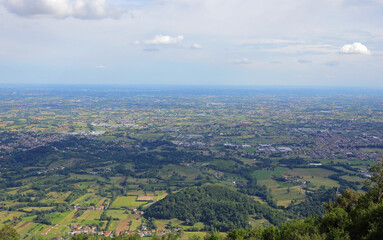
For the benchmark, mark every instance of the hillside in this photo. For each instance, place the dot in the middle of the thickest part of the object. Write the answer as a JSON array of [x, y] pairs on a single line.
[[215, 205]]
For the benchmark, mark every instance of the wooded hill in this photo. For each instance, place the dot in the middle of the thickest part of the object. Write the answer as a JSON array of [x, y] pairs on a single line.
[[215, 205]]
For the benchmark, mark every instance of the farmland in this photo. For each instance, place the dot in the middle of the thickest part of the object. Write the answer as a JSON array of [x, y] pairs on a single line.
[[101, 157]]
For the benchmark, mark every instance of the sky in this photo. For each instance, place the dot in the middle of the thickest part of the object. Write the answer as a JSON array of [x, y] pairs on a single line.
[[192, 42]]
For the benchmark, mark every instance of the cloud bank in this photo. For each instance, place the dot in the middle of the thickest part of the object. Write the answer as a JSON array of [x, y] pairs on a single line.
[[82, 9], [164, 40], [355, 48], [242, 61], [196, 46]]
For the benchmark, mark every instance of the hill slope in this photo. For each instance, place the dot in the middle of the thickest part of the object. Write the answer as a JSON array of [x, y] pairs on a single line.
[[214, 205]]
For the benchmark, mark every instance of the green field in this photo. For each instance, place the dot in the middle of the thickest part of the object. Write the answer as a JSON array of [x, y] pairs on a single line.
[[308, 172], [284, 196], [113, 225], [373, 150], [8, 215], [268, 174], [322, 182], [126, 201]]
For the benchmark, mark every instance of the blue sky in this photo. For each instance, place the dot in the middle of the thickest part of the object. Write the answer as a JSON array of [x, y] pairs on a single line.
[[192, 42]]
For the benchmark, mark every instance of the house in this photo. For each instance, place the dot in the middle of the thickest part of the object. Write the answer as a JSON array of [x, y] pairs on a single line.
[[100, 208]]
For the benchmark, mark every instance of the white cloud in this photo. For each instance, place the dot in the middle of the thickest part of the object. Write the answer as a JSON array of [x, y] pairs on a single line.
[[355, 48], [269, 41], [83, 9], [196, 46], [101, 67], [309, 48], [242, 61], [304, 61], [151, 49], [164, 40]]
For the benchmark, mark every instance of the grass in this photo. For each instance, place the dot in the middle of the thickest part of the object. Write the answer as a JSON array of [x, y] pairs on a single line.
[[88, 199], [258, 199], [249, 150], [58, 217], [24, 226], [145, 198], [188, 171], [361, 162], [120, 214], [68, 219], [373, 150], [329, 183], [268, 174], [37, 228], [113, 225], [198, 225], [5, 215], [188, 235], [270, 183], [284, 196], [59, 229], [126, 201], [89, 217], [29, 218], [227, 164], [160, 195], [329, 161], [280, 192], [308, 172], [135, 224], [30, 209], [353, 179], [161, 224], [56, 197]]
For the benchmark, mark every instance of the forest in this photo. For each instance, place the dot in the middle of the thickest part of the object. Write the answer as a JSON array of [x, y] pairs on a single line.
[[217, 206]]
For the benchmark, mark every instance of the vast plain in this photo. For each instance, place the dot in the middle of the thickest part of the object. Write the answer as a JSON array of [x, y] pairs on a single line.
[[79, 159]]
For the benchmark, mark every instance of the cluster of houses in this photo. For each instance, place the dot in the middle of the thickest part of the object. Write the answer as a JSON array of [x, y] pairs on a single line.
[[88, 208], [239, 184], [83, 230], [261, 147], [25, 141], [51, 169], [93, 231], [134, 210], [294, 179]]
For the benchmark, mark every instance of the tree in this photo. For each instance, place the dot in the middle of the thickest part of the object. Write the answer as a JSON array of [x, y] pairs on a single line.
[[301, 229], [213, 236], [9, 233], [335, 224], [347, 200], [270, 233], [376, 180]]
